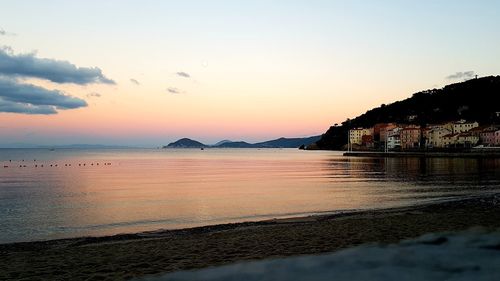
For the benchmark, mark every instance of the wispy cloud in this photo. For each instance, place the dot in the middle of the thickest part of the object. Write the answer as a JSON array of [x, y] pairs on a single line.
[[183, 74], [28, 65], [134, 81], [174, 90], [30, 99], [94, 95], [461, 75], [5, 33]]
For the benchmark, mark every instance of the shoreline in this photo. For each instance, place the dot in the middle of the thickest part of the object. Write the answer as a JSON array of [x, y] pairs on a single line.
[[125, 256], [299, 218]]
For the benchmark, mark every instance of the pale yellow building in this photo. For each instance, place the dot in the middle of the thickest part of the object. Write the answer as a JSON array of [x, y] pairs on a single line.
[[460, 140], [461, 126], [450, 140], [434, 136], [467, 140], [356, 135]]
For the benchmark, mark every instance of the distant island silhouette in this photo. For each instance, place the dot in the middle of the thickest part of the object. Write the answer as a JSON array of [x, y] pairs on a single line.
[[276, 143], [185, 143]]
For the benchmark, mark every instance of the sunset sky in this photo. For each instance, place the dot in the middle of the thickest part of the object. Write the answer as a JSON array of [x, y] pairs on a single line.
[[146, 73]]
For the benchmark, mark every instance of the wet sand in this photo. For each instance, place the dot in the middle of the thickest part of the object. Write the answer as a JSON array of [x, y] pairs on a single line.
[[122, 257]]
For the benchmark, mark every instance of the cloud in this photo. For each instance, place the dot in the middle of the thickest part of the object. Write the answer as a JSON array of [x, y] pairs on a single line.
[[134, 81], [173, 90], [462, 75], [28, 65], [93, 95], [5, 33], [14, 107], [183, 74], [30, 99]]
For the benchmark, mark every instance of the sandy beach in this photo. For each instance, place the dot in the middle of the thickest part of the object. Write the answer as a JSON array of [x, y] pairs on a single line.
[[126, 256]]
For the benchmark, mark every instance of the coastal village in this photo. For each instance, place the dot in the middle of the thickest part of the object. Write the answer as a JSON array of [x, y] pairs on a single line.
[[458, 134]]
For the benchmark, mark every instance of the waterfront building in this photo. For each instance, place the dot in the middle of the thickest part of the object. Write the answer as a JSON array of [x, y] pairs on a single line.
[[434, 136], [467, 140], [450, 140], [356, 135], [461, 126], [410, 137], [384, 131], [380, 131], [394, 138]]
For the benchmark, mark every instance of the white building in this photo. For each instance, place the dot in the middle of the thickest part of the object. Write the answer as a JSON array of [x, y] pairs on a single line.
[[394, 138]]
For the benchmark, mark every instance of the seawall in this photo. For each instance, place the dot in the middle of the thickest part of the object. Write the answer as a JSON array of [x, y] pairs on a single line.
[[427, 154]]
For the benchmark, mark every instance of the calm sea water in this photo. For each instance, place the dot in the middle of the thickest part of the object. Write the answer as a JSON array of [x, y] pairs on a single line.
[[148, 189]]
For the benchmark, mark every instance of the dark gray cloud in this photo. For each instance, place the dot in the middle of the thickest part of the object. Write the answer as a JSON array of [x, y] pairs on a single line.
[[2, 32], [462, 75], [173, 90], [28, 65], [183, 74], [14, 107], [31, 99], [134, 81]]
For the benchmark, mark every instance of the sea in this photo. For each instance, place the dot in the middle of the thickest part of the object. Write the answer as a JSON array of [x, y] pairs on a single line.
[[63, 193]]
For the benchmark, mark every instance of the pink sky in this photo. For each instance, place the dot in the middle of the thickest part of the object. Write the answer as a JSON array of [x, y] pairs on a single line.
[[249, 71]]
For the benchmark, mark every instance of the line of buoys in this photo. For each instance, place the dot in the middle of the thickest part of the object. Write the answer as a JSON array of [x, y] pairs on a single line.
[[56, 165]]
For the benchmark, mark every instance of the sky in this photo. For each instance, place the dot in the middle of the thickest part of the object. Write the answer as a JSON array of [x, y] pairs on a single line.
[[145, 73]]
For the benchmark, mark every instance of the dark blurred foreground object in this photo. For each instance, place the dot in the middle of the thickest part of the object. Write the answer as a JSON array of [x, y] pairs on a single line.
[[469, 255]]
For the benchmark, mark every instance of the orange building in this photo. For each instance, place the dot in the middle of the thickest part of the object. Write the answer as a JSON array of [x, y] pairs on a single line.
[[410, 137], [384, 131], [380, 131]]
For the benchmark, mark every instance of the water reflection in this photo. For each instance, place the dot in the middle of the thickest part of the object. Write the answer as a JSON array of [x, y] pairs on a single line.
[[424, 178], [151, 189]]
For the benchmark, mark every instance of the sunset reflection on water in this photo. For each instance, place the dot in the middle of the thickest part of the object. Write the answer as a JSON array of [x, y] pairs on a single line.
[[151, 189]]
